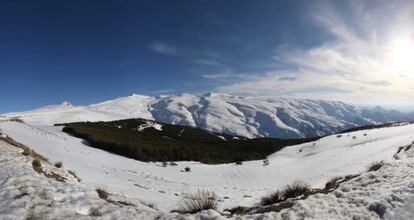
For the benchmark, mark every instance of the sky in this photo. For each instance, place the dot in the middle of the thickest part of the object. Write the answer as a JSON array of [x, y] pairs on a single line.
[[86, 51]]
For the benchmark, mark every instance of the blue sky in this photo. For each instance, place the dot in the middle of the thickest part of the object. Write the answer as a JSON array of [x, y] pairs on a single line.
[[89, 51]]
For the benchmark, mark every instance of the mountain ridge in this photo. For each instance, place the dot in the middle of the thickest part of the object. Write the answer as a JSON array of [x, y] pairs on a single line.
[[249, 116]]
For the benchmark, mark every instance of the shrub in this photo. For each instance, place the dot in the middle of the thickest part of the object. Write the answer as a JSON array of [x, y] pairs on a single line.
[[398, 151], [164, 164], [239, 162], [374, 166], [293, 190], [16, 119], [59, 164], [265, 162], [332, 183], [273, 198], [102, 194], [339, 135], [200, 200], [37, 165], [187, 169], [173, 164]]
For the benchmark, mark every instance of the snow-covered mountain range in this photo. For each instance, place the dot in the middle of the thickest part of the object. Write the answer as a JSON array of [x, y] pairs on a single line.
[[248, 116]]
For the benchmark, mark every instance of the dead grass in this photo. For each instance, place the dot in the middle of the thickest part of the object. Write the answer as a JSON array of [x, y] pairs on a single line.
[[71, 172], [37, 166], [398, 151], [293, 190], [103, 194], [37, 158], [272, 198], [17, 119], [56, 176], [333, 183], [26, 150], [197, 201], [374, 166]]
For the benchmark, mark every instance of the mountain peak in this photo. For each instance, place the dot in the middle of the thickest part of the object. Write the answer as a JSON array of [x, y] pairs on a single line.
[[378, 108], [66, 103]]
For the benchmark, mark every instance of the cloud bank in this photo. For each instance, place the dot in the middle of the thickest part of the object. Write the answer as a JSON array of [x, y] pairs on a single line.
[[361, 61]]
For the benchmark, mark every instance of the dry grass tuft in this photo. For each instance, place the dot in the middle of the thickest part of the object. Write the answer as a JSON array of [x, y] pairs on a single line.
[[74, 175], [103, 194], [333, 183], [293, 190], [272, 198], [374, 166], [37, 166], [197, 201]]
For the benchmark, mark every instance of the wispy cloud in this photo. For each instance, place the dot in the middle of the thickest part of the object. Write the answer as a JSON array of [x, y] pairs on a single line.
[[221, 75], [207, 62], [357, 63], [163, 49]]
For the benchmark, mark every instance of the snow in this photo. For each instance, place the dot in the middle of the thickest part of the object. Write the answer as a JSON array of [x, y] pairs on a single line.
[[314, 163], [150, 124], [246, 116], [26, 194], [388, 191]]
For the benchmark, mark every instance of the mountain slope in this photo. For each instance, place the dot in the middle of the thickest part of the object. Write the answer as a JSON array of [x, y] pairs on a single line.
[[235, 115], [237, 185]]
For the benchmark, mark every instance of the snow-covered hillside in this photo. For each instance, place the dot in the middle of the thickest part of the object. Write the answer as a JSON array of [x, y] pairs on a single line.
[[314, 163], [384, 194], [237, 115]]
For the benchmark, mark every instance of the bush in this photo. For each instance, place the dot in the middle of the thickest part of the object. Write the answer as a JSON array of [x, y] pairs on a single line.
[[59, 164], [374, 166], [37, 165], [332, 183], [293, 190], [273, 198], [102, 194], [187, 169], [200, 200], [265, 162]]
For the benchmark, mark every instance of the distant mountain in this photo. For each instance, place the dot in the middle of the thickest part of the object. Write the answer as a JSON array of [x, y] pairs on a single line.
[[247, 116]]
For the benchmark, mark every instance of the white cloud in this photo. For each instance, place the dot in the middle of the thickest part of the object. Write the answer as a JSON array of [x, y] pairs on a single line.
[[358, 64], [163, 49], [207, 62], [222, 75]]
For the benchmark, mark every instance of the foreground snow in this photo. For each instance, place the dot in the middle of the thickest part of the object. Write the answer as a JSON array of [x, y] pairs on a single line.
[[24, 194], [237, 115], [314, 163]]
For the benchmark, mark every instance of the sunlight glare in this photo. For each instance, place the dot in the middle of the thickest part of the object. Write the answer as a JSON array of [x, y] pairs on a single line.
[[401, 56]]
